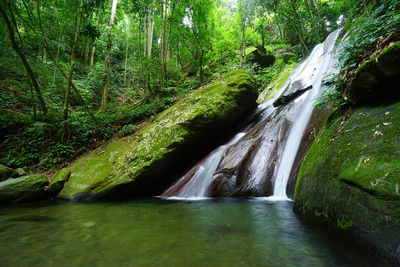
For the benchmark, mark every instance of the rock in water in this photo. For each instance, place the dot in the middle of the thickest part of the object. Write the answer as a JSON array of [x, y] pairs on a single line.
[[350, 178], [148, 161], [24, 188]]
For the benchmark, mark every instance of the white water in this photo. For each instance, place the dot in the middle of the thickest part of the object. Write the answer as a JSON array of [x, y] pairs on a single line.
[[198, 185], [316, 70]]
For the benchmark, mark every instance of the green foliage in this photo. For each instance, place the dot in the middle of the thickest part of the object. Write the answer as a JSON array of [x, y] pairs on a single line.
[[360, 42]]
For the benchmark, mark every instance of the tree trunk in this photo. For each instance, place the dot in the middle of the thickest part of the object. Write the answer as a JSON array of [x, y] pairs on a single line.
[[95, 41], [163, 44], [126, 50], [106, 76], [21, 55], [150, 25], [65, 129]]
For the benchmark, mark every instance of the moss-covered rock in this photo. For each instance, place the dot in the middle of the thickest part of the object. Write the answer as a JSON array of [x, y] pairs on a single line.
[[58, 182], [377, 79], [148, 161], [24, 188], [5, 172], [277, 84], [260, 56], [350, 178]]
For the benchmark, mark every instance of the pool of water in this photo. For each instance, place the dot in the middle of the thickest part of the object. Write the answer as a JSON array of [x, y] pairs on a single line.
[[154, 232]]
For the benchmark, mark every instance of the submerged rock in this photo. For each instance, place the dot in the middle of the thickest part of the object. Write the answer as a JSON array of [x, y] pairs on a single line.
[[148, 161], [377, 79], [350, 178], [24, 188]]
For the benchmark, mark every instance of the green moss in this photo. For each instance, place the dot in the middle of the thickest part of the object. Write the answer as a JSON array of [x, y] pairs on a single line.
[[5, 172], [352, 173], [168, 138], [344, 224], [26, 187], [277, 84], [250, 49]]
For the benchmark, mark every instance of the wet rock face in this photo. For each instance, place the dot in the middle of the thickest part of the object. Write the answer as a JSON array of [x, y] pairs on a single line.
[[148, 161], [377, 80], [248, 168], [350, 178]]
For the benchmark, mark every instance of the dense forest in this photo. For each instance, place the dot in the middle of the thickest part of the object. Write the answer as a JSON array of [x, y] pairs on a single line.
[[76, 73], [261, 123]]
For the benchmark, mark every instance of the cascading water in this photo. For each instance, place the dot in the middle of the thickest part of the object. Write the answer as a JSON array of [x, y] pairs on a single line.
[[297, 130], [259, 161]]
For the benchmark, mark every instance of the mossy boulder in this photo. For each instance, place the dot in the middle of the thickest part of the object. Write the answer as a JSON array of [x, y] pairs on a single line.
[[350, 178], [377, 79], [5, 172], [148, 161], [260, 56], [24, 188]]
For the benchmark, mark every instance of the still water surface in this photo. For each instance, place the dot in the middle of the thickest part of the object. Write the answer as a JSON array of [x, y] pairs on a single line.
[[154, 232]]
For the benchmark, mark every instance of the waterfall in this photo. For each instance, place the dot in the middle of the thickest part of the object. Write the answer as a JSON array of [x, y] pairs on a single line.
[[297, 130], [258, 161]]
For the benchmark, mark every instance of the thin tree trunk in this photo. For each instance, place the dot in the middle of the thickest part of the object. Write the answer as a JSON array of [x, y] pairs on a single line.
[[145, 36], [65, 129], [150, 25], [163, 50], [106, 76], [87, 47], [126, 51], [56, 59], [21, 55], [95, 41], [140, 55]]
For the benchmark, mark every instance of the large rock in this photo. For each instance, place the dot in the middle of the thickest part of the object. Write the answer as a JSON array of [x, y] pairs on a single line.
[[350, 178], [24, 188], [377, 80], [148, 161], [260, 56], [5, 172]]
